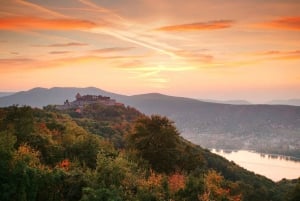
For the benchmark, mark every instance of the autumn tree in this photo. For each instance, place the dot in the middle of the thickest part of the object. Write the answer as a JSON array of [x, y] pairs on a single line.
[[216, 188], [156, 139]]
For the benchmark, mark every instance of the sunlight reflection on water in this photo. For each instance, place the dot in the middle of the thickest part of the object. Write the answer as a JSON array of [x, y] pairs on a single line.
[[273, 167]]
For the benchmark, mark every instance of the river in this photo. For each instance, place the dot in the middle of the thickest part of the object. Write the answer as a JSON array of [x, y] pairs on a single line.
[[274, 167]]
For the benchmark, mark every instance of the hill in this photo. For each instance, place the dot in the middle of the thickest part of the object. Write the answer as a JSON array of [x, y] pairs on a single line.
[[47, 155], [295, 102], [233, 102], [264, 128], [2, 94], [39, 97]]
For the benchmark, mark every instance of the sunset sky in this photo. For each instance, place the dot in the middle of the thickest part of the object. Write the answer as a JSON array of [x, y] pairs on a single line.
[[206, 49]]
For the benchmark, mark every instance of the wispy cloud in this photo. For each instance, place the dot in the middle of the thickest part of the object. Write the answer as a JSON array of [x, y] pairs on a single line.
[[111, 15], [254, 58], [67, 44], [285, 23], [40, 8], [15, 60], [70, 44], [129, 37], [39, 64], [120, 28], [111, 49], [199, 26], [26, 64], [59, 52], [36, 23], [14, 64], [279, 55]]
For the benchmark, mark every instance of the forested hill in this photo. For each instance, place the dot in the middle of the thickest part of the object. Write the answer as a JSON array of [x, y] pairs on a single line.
[[264, 128], [116, 153]]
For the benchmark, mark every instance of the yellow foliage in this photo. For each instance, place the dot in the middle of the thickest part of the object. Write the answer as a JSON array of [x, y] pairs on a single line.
[[154, 180], [28, 155]]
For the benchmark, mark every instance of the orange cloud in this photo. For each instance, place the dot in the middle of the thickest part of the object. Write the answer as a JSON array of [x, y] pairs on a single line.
[[71, 44], [14, 64], [26, 64], [280, 55], [67, 44], [286, 23], [59, 52], [36, 23], [19, 64], [199, 26], [111, 49]]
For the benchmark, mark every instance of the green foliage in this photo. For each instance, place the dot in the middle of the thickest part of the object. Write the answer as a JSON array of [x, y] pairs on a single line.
[[194, 187], [48, 155], [19, 121], [110, 122], [157, 140], [85, 149], [101, 194], [7, 141], [295, 195]]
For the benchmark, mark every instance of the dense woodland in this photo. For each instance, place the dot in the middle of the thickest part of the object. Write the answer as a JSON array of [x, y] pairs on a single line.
[[116, 153]]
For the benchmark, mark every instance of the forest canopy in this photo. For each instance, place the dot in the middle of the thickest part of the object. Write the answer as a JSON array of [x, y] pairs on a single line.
[[63, 155]]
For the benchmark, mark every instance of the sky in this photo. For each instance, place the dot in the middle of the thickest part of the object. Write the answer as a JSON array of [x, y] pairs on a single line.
[[205, 49]]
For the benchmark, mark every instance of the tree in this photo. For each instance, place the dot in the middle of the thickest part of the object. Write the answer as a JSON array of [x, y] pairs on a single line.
[[296, 192], [156, 139], [216, 188], [7, 142], [21, 121]]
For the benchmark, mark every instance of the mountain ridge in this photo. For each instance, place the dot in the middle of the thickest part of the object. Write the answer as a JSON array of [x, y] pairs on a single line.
[[291, 102], [260, 127]]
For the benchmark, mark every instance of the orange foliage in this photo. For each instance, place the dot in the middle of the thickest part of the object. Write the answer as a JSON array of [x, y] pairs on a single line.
[[42, 128], [215, 188], [154, 180], [65, 164], [42, 125], [176, 182]]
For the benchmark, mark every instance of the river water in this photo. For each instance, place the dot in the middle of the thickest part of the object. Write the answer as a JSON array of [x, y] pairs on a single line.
[[274, 167]]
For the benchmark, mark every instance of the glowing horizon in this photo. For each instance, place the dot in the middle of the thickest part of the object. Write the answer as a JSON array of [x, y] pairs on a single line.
[[246, 50]]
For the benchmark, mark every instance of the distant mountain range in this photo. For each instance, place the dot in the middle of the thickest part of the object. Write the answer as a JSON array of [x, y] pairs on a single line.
[[232, 102], [6, 93], [40, 102], [39, 97], [295, 102], [269, 128]]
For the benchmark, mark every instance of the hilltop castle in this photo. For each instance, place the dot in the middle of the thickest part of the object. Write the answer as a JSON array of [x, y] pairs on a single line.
[[87, 100]]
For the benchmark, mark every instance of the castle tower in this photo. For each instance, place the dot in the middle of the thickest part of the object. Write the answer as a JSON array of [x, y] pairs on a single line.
[[78, 96]]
